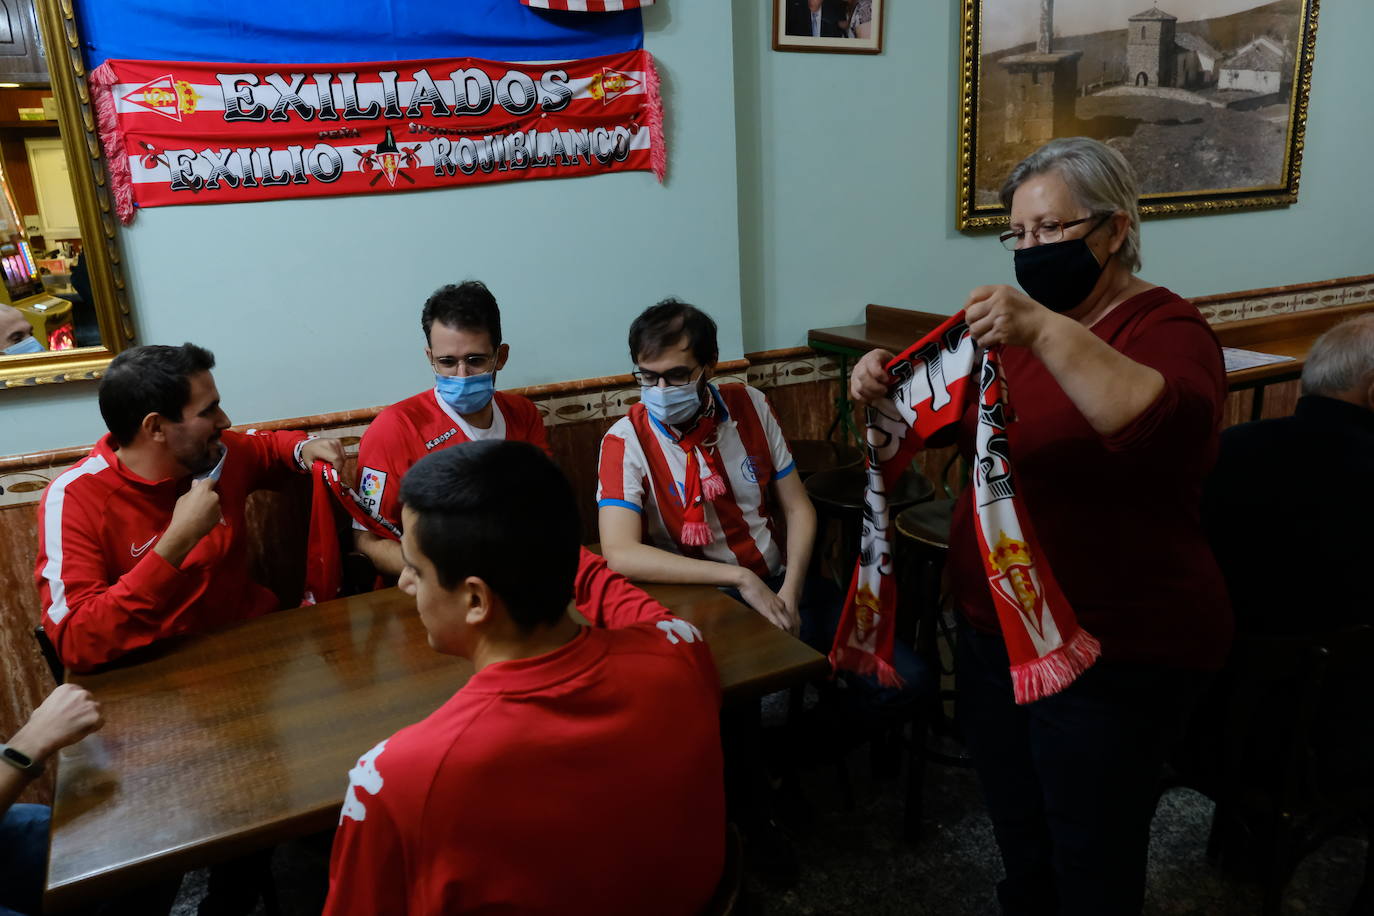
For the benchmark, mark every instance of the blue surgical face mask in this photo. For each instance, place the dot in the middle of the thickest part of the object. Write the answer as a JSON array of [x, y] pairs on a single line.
[[29, 344], [466, 394], [673, 404]]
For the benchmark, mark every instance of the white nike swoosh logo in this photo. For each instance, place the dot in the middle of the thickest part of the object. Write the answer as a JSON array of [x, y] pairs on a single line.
[[139, 551]]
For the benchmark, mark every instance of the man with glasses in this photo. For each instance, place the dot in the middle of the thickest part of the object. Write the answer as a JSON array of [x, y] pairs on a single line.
[[462, 326], [693, 479]]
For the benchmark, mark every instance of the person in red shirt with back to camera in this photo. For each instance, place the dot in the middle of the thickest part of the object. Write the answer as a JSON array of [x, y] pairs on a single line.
[[579, 769], [145, 537], [1116, 388], [462, 326]]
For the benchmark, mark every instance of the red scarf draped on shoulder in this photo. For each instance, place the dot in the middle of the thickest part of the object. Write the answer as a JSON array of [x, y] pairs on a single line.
[[935, 383]]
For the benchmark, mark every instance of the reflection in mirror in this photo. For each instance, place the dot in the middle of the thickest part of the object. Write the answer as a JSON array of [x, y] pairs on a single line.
[[42, 278], [59, 253]]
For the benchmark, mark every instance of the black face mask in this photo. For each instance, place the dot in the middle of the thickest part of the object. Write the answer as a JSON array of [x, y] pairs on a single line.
[[1060, 275]]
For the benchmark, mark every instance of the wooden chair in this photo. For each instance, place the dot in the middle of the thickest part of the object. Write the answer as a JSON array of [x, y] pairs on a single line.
[[922, 535], [838, 496], [1284, 744], [812, 455], [726, 899]]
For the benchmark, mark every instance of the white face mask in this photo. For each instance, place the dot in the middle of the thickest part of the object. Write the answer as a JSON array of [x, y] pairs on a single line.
[[29, 344], [215, 471]]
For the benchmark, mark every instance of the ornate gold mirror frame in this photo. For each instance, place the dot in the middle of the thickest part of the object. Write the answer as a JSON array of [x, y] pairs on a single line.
[[95, 209]]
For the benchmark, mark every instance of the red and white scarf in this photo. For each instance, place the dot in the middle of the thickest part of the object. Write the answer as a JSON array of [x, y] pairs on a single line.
[[935, 384], [323, 559], [699, 443]]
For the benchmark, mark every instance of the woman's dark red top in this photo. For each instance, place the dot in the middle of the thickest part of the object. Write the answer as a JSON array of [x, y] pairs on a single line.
[[1118, 516]]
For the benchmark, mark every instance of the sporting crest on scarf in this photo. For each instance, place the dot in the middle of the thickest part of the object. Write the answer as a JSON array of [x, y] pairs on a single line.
[[936, 380], [193, 132]]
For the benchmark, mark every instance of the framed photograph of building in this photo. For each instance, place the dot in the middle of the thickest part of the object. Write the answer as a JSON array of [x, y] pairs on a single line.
[[1207, 101], [843, 26]]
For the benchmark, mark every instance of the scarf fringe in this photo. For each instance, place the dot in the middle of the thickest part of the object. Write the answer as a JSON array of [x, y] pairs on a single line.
[[713, 487], [1046, 676], [653, 105], [865, 663], [696, 534], [102, 81]]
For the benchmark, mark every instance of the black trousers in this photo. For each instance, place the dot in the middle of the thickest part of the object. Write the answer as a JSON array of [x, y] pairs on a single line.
[[1071, 780]]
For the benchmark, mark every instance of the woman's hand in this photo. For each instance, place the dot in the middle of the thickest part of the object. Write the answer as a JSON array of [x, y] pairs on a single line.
[[869, 380], [1004, 315]]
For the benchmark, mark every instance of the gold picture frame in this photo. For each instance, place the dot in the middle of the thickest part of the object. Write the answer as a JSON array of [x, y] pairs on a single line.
[[95, 211], [1148, 90]]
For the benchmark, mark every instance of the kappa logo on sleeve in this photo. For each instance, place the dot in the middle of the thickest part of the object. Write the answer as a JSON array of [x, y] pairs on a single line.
[[678, 630], [371, 486], [363, 776]]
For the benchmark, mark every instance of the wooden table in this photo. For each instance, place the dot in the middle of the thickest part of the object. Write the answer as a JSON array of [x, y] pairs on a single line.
[[237, 740], [1282, 335]]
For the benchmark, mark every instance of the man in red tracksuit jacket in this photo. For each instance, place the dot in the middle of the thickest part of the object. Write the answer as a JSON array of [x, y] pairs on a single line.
[[145, 537], [569, 745]]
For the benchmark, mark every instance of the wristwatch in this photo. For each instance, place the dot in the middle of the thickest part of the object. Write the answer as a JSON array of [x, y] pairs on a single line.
[[20, 761]]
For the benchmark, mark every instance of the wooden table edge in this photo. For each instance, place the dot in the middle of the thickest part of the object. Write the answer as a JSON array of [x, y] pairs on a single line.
[[81, 890]]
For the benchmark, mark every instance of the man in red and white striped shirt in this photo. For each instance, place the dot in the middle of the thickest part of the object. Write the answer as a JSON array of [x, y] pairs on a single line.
[[693, 479]]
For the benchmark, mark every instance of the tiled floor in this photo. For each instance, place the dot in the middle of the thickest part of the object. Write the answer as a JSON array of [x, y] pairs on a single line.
[[854, 862]]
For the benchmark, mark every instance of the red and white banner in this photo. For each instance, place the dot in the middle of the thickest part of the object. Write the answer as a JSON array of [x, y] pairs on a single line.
[[588, 6], [179, 133]]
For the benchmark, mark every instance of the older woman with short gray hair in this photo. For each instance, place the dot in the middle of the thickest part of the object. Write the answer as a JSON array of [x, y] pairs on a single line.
[[1116, 388]]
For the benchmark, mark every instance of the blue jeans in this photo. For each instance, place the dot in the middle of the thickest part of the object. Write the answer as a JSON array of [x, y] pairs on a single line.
[[1071, 780], [23, 858]]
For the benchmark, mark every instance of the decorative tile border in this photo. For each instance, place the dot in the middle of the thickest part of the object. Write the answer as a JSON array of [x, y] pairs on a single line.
[[791, 367], [1285, 300], [576, 402]]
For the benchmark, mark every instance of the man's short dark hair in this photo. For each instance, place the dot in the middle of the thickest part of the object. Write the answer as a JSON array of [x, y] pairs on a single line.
[[467, 306], [501, 511], [661, 326], [151, 379]]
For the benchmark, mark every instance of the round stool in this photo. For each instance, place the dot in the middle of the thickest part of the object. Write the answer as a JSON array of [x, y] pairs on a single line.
[[922, 533], [812, 455], [838, 495]]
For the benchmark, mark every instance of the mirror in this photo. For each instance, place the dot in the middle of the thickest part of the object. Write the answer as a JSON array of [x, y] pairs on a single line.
[[64, 311]]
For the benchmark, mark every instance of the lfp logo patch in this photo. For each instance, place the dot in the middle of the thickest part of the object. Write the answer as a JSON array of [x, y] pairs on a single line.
[[371, 487], [752, 469]]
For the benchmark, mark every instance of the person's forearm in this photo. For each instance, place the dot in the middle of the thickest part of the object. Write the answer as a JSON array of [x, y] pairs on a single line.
[[1109, 388], [651, 564], [13, 782], [384, 553], [174, 545], [801, 538]]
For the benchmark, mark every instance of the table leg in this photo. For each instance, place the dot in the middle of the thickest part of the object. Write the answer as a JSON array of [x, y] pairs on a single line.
[[1257, 405], [844, 409]]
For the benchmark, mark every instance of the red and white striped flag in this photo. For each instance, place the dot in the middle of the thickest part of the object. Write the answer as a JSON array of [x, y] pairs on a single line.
[[588, 6]]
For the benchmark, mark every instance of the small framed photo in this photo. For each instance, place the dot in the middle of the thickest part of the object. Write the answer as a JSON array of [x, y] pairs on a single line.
[[837, 26]]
